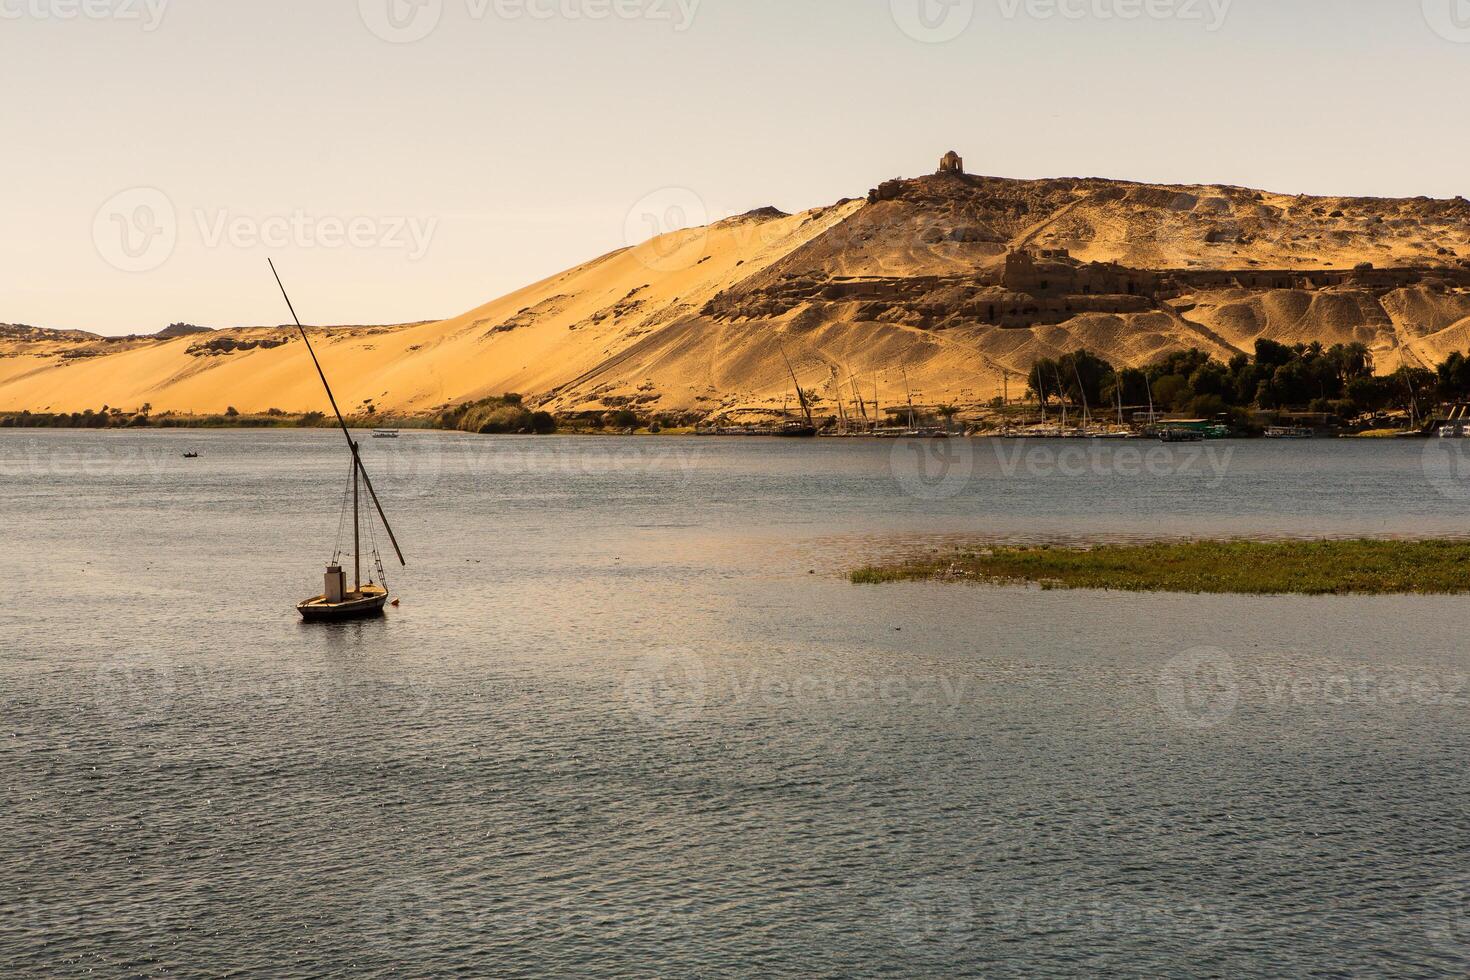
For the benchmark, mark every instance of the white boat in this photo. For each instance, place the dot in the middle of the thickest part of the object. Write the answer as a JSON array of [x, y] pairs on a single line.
[[385, 433]]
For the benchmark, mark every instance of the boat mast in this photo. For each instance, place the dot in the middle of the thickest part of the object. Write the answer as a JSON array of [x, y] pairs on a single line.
[[1086, 412], [356, 530], [1061, 397], [356, 460], [910, 392], [857, 393], [837, 394], [800, 395]]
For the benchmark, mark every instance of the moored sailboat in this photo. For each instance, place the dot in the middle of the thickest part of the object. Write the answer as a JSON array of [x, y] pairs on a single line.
[[337, 603]]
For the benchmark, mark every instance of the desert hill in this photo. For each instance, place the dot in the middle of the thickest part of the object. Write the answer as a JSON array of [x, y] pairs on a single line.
[[946, 284]]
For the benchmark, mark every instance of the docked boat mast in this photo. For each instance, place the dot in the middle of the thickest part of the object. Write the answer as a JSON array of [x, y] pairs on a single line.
[[806, 410]]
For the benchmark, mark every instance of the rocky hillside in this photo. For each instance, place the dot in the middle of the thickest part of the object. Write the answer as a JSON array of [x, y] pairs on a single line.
[[946, 284]]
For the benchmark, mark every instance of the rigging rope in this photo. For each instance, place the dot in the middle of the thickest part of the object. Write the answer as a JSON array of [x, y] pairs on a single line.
[[377, 558], [342, 520]]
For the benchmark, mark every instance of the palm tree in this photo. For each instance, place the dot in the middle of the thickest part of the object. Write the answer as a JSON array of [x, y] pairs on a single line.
[[947, 412]]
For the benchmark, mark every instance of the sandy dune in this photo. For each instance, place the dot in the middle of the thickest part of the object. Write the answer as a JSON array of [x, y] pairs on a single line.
[[908, 283]]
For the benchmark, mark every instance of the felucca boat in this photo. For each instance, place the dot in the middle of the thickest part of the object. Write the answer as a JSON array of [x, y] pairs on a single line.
[[365, 600]]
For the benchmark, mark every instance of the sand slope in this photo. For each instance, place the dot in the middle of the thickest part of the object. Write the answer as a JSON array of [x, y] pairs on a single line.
[[697, 321]]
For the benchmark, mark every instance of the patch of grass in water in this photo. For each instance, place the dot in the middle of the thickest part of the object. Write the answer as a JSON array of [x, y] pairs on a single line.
[[1361, 567]]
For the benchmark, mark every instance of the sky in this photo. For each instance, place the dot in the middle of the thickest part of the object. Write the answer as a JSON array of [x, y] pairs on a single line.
[[408, 160]]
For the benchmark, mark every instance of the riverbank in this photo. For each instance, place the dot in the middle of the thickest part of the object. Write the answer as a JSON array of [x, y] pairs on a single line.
[[1357, 567]]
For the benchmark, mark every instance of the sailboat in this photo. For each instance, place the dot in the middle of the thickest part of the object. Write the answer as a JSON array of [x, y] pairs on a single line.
[[792, 428], [913, 429], [365, 600]]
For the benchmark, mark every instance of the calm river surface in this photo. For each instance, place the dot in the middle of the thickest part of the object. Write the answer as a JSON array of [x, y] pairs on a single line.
[[630, 720]]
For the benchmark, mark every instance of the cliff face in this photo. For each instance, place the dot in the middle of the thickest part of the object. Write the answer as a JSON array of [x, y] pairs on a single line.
[[956, 280]]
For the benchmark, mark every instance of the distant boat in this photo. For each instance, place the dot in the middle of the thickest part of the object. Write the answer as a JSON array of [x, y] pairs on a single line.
[[191, 455], [795, 429], [1176, 434], [1289, 432], [336, 603], [385, 433], [806, 427]]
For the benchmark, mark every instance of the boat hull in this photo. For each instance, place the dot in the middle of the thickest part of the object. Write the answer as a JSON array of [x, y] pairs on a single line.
[[367, 604]]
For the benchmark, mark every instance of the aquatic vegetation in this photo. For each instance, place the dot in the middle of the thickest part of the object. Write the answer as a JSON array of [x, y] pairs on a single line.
[[1326, 567]]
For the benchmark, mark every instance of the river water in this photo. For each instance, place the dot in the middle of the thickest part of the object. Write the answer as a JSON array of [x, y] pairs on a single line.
[[631, 720]]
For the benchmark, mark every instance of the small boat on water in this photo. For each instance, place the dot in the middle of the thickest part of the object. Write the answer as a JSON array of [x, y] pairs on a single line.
[[337, 603], [806, 426], [385, 433], [191, 455], [1289, 432], [1175, 434], [795, 429]]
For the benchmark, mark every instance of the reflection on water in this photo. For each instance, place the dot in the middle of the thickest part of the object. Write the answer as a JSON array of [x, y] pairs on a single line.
[[619, 726]]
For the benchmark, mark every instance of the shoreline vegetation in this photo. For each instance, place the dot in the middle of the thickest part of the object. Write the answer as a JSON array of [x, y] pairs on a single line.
[[506, 414], [1284, 391], [492, 422], [1235, 567]]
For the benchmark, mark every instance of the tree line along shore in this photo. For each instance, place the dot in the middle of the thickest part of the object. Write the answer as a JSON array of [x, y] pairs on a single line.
[[1336, 386]]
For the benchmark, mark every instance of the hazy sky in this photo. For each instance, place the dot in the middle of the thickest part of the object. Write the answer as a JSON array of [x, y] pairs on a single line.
[[412, 159]]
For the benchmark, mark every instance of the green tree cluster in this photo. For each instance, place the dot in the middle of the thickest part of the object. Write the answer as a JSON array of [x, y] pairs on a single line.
[[1338, 379]]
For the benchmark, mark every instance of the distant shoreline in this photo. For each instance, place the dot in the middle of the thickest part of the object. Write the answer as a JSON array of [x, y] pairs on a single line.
[[560, 426]]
